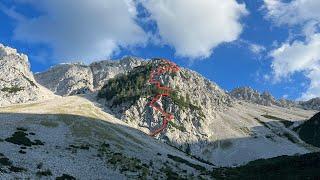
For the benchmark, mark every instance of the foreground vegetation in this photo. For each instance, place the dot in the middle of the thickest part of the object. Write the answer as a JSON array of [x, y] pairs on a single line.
[[284, 167]]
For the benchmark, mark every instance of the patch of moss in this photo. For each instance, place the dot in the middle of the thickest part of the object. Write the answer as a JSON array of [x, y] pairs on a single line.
[[124, 163], [20, 138], [50, 124], [65, 177], [170, 173], [13, 89], [16, 169], [181, 160], [179, 127], [44, 173], [284, 167]]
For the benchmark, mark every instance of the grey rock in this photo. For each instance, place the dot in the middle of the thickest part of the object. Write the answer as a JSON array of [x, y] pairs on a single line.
[[17, 84]]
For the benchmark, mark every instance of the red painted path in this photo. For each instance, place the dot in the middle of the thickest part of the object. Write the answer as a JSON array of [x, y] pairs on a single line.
[[168, 67]]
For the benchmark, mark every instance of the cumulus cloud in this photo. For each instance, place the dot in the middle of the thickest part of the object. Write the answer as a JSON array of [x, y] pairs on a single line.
[[298, 55], [294, 12], [194, 28], [81, 29]]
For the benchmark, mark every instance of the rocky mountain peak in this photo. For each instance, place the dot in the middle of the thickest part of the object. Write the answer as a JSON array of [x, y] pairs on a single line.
[[251, 95], [77, 78], [313, 104], [17, 84], [193, 101]]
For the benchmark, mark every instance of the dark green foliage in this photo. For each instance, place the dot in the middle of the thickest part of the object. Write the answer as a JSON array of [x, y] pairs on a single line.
[[66, 177], [82, 146], [20, 138], [128, 87], [22, 129], [22, 152], [13, 89], [183, 102], [180, 160], [171, 174], [16, 169], [124, 163], [310, 131], [284, 167], [44, 173], [180, 127], [30, 81], [5, 161]]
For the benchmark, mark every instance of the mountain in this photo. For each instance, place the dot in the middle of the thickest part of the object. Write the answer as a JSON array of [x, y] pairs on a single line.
[[309, 130], [140, 119], [17, 84], [76, 78], [253, 96], [313, 104], [207, 123]]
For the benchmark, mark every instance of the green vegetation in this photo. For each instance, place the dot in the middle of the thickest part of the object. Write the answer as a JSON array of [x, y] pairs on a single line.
[[283, 167], [66, 177], [13, 89], [183, 102], [30, 81], [16, 169], [5, 162], [20, 138], [170, 173], [49, 123], [309, 131], [179, 127], [44, 173], [128, 87], [180, 160], [125, 164]]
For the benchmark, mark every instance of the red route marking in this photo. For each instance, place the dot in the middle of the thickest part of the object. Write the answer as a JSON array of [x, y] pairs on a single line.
[[168, 67]]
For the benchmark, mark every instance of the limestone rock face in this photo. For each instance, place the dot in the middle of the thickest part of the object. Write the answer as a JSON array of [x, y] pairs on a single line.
[[76, 78], [194, 101], [266, 99], [67, 79], [105, 70], [251, 95], [312, 104], [17, 84]]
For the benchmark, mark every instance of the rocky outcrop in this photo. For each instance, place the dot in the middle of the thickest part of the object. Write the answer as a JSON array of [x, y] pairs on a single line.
[[17, 84], [312, 104], [105, 70], [251, 95], [266, 99], [67, 79], [76, 78], [194, 101]]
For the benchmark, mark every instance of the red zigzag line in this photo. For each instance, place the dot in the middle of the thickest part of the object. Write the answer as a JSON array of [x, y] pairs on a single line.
[[165, 91]]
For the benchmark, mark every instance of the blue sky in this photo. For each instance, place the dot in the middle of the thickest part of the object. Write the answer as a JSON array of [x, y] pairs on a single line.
[[246, 44]]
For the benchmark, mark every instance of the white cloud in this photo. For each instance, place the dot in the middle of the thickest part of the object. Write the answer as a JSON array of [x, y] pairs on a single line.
[[295, 12], [256, 48], [194, 28], [296, 56], [81, 29], [299, 57]]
